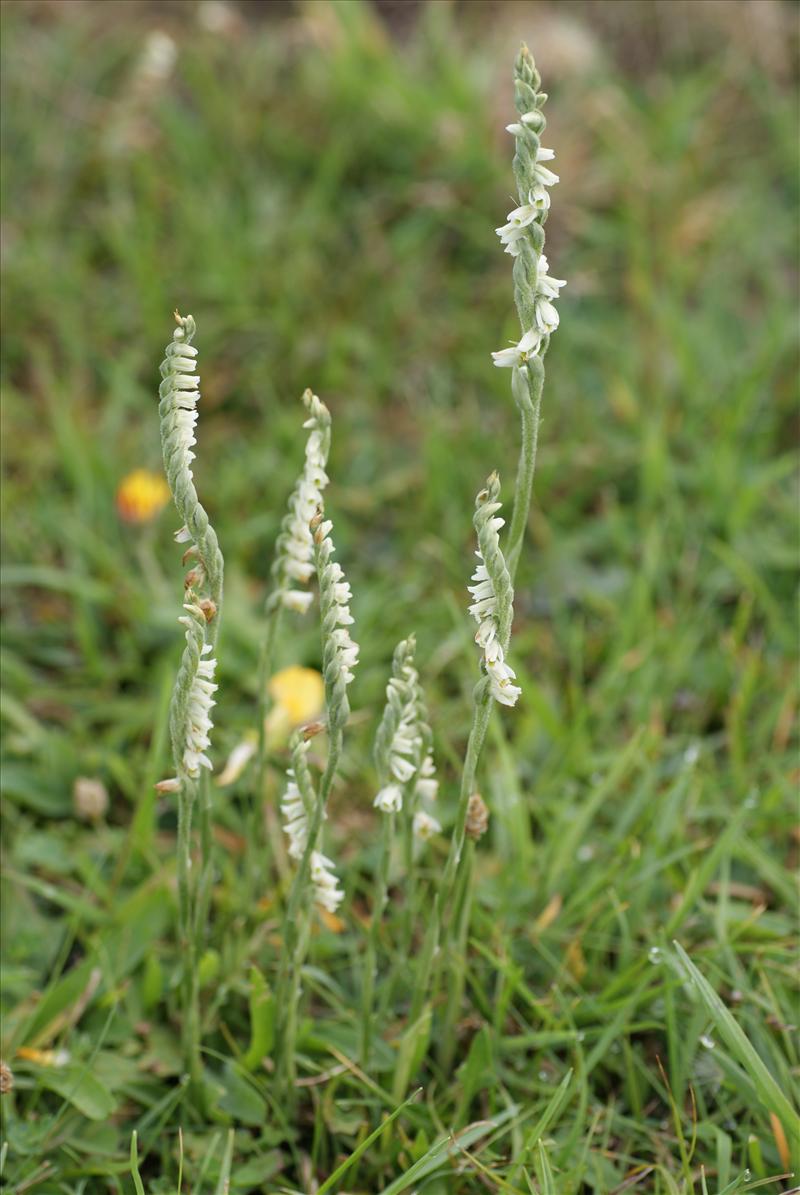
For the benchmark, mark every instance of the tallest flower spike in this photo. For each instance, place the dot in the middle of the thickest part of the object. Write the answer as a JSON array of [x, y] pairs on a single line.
[[534, 288], [523, 235]]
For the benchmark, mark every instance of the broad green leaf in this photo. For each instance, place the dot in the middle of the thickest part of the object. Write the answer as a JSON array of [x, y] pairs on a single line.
[[262, 1020], [80, 1088]]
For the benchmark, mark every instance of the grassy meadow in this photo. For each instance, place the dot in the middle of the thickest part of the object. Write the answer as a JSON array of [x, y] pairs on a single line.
[[319, 184]]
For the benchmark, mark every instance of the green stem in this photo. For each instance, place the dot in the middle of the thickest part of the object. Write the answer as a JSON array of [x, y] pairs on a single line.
[[294, 942], [457, 970], [265, 665], [191, 1012], [203, 895], [480, 720], [425, 965], [371, 954], [528, 395], [256, 838]]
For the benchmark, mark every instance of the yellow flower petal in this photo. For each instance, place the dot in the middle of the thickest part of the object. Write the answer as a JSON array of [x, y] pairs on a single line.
[[141, 496], [299, 696]]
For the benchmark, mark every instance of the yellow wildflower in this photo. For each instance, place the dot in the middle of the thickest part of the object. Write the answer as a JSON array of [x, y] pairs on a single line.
[[141, 496], [299, 697]]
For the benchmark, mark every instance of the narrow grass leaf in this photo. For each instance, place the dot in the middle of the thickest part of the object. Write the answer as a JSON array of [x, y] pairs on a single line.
[[340, 1171], [137, 1178], [446, 1147], [768, 1090], [551, 1111]]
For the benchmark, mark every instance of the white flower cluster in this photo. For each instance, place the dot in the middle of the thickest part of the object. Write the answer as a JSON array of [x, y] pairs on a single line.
[[323, 877], [326, 883], [295, 823], [484, 611], [334, 583], [512, 235], [298, 563], [198, 714], [545, 320], [181, 421], [405, 749]]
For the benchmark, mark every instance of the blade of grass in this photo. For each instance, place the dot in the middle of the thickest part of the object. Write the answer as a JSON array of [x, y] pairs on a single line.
[[768, 1090]]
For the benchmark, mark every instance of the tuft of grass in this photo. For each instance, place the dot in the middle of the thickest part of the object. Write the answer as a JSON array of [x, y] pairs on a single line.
[[325, 193]]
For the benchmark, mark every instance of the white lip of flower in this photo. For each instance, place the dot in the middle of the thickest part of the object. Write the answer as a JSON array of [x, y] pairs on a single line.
[[326, 890], [518, 354], [499, 672], [297, 599], [519, 129], [545, 315], [521, 217], [389, 799], [425, 826], [198, 716], [427, 786], [347, 652], [545, 285], [342, 594]]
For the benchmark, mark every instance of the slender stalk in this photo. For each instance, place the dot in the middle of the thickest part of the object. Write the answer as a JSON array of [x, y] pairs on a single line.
[[191, 1015], [481, 713], [457, 969], [294, 939], [422, 979], [371, 954], [528, 395]]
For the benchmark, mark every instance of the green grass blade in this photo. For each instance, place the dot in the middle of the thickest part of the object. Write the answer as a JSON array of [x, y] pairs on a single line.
[[328, 1185], [768, 1090], [445, 1148], [137, 1178]]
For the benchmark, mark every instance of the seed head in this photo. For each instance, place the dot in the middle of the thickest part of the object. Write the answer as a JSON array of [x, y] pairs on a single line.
[[477, 817], [89, 799]]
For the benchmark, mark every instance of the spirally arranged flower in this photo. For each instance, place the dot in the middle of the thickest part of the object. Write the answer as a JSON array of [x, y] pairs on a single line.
[[402, 748], [192, 698], [199, 721], [324, 880], [492, 596], [294, 562], [523, 234], [340, 651]]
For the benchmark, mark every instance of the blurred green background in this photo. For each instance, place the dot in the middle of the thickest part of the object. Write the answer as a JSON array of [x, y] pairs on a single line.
[[318, 184]]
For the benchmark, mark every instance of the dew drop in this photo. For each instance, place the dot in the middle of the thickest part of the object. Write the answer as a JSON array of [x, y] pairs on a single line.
[[708, 1041], [655, 955], [691, 755]]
